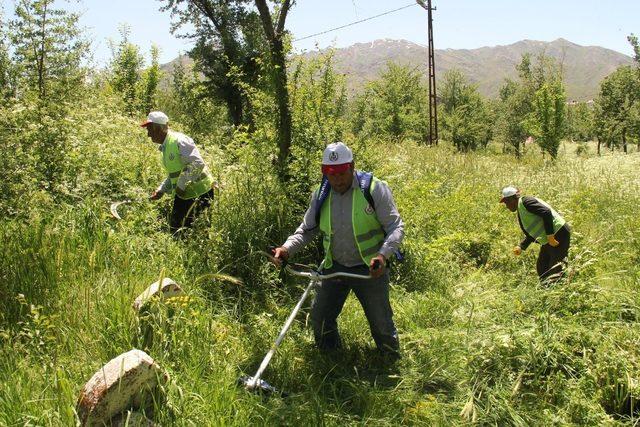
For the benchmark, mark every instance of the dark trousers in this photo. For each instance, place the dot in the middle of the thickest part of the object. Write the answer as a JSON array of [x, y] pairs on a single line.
[[184, 211], [552, 261], [373, 295]]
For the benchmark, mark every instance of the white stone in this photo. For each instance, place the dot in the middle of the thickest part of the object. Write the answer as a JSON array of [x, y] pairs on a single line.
[[124, 382], [167, 289]]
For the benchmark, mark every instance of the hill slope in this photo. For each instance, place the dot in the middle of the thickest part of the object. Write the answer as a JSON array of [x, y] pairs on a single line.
[[584, 66]]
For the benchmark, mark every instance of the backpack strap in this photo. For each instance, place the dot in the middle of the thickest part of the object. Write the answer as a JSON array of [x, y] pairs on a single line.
[[323, 193], [364, 182]]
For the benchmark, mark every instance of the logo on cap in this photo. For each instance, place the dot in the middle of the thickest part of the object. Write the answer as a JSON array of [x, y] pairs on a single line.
[[333, 156], [368, 210]]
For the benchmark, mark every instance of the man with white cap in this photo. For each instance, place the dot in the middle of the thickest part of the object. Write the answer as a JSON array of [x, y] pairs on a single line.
[[541, 224], [361, 228], [188, 180]]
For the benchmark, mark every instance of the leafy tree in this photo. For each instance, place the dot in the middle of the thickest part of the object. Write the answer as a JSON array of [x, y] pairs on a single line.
[[395, 105], [47, 52], [230, 52], [633, 40], [617, 107], [126, 68], [527, 101], [548, 119], [319, 104], [150, 80], [48, 49], [580, 121], [228, 47], [515, 105], [275, 34], [465, 118], [187, 101], [7, 76]]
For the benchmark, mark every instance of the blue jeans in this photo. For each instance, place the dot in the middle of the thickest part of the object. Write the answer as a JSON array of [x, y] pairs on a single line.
[[373, 295]]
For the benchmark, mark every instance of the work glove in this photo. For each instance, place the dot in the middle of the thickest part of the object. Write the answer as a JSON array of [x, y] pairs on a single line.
[[551, 239], [517, 250], [376, 266], [180, 192]]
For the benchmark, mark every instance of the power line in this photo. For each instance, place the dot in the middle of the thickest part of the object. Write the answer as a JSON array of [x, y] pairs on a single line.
[[356, 22]]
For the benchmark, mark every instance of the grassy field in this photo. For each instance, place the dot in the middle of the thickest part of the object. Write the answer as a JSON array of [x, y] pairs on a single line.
[[482, 341]]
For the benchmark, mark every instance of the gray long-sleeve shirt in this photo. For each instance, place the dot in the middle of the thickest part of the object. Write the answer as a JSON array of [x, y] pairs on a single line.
[[191, 159], [343, 244]]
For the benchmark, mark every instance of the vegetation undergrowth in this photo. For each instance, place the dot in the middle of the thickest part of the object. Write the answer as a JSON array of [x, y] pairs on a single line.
[[482, 341]]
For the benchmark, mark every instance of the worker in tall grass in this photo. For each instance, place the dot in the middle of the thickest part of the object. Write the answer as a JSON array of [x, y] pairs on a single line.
[[188, 180], [361, 228], [543, 225]]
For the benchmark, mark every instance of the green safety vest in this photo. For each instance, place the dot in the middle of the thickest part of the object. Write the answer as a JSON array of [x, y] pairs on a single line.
[[367, 230], [533, 224], [174, 167]]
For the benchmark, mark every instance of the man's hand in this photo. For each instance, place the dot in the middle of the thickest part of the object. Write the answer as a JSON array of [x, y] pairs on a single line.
[[280, 254], [551, 239], [517, 250], [156, 195], [376, 266]]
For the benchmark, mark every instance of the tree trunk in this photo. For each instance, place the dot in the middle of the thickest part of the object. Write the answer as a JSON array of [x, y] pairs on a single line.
[[599, 146], [276, 48], [624, 140], [41, 55]]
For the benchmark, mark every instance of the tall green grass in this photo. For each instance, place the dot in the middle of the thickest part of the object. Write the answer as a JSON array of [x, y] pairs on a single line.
[[482, 341]]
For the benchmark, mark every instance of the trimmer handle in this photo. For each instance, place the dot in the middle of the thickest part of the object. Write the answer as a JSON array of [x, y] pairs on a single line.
[[377, 264]]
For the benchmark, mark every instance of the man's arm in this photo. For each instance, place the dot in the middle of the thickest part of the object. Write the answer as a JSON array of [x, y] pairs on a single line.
[[389, 217], [194, 164], [307, 230], [163, 188]]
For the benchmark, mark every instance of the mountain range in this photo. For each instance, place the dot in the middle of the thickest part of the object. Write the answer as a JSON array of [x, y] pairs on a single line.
[[584, 67]]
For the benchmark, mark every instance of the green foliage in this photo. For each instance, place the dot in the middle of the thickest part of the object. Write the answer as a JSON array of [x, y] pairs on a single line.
[[515, 104], [7, 69], [465, 119], [618, 107], [228, 48], [482, 342], [126, 67], [318, 104], [580, 121], [633, 40], [532, 105], [150, 79], [394, 106], [47, 49], [186, 101], [546, 123]]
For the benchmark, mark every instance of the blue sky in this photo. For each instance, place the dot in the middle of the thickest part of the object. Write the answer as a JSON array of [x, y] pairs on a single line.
[[457, 23]]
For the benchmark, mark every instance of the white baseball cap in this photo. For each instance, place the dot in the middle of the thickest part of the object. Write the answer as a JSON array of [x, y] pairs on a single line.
[[157, 117], [336, 158], [508, 192]]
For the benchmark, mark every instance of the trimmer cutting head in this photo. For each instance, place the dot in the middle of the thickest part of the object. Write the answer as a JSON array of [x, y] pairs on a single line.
[[261, 386]]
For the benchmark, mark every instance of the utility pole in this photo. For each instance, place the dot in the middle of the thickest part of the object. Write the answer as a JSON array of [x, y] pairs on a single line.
[[433, 111]]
